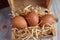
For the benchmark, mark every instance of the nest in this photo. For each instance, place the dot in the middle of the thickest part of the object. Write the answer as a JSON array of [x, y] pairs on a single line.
[[32, 32]]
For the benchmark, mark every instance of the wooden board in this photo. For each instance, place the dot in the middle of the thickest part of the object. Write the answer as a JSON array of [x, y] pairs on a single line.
[[15, 4]]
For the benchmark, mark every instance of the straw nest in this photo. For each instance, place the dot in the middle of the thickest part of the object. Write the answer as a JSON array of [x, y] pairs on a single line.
[[32, 32]]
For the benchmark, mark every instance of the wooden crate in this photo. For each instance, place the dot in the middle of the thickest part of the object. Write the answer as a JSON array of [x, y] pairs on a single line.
[[20, 4]]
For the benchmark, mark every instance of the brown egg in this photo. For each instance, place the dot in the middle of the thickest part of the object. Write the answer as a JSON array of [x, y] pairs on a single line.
[[32, 18], [19, 22], [48, 18]]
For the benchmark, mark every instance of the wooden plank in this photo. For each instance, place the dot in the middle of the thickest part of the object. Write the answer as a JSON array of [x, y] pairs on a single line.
[[48, 3], [12, 5], [44, 3]]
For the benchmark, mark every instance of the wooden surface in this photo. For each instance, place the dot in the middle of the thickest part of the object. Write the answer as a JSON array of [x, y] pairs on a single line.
[[20, 4]]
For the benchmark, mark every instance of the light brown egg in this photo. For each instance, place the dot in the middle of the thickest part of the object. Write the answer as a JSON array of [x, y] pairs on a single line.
[[48, 18], [32, 18], [19, 22]]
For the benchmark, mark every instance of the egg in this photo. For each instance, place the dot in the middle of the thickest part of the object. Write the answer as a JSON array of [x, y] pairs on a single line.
[[32, 18], [47, 19], [19, 22]]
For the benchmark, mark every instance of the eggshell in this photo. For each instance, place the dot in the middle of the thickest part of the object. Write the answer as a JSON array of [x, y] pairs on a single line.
[[32, 18], [19, 22], [47, 19]]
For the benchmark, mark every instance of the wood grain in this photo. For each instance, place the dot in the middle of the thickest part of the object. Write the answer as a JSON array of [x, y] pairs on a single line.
[[15, 4]]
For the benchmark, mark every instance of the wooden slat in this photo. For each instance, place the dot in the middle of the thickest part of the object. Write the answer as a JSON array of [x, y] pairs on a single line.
[[48, 3], [12, 5]]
